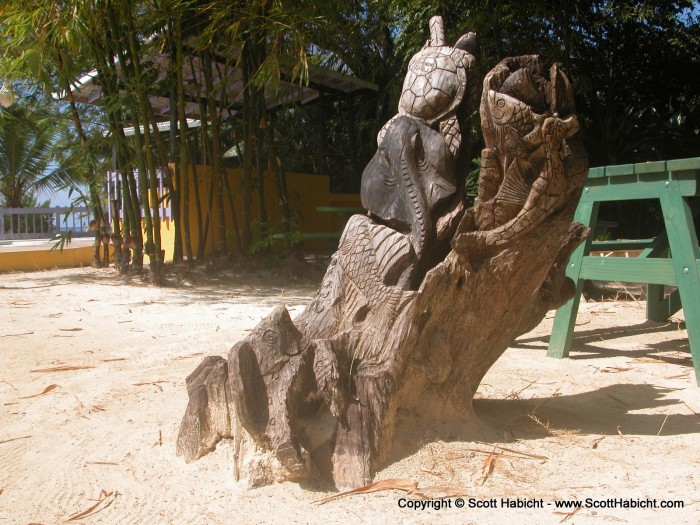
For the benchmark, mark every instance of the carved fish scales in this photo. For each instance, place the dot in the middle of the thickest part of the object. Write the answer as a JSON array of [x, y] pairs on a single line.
[[359, 260], [523, 181], [402, 330]]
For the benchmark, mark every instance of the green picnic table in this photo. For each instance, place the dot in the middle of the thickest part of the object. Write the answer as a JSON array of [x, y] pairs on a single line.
[[670, 259], [342, 211]]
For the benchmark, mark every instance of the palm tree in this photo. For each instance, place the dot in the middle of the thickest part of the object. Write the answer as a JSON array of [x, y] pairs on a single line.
[[28, 136]]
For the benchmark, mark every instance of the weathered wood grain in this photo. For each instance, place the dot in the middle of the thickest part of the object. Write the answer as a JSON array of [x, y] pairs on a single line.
[[422, 296]]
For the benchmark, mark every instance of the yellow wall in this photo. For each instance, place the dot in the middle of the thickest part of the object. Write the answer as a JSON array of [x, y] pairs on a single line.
[[306, 193], [41, 258]]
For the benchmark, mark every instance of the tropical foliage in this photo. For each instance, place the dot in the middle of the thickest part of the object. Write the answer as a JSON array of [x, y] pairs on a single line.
[[28, 139], [634, 64]]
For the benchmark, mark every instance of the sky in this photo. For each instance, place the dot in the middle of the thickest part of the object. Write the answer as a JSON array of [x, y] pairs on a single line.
[[61, 198]]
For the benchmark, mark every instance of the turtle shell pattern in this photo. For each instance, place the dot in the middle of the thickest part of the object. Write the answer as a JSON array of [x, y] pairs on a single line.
[[435, 83]]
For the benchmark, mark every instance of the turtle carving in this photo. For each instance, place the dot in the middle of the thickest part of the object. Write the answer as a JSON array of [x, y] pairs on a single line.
[[436, 83], [423, 294], [411, 180]]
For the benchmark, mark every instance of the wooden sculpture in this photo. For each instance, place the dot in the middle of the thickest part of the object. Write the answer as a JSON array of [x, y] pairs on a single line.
[[423, 294]]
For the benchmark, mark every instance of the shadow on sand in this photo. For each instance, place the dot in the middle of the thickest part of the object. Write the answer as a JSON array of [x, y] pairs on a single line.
[[609, 410], [582, 346]]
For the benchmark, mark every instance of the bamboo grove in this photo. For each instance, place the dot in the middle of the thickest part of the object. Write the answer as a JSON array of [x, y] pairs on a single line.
[[57, 42], [634, 67]]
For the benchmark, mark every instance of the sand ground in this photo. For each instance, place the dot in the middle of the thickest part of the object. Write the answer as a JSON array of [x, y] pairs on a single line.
[[621, 419]]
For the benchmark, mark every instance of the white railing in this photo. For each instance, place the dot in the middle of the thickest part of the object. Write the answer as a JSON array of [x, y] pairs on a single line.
[[114, 192], [42, 223]]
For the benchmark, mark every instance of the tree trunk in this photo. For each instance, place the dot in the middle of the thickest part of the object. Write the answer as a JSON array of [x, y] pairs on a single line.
[[276, 167], [262, 123], [94, 194], [249, 115], [216, 156], [181, 165], [148, 181], [422, 296]]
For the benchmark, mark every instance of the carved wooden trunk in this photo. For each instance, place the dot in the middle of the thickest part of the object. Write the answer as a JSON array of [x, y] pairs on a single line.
[[423, 295]]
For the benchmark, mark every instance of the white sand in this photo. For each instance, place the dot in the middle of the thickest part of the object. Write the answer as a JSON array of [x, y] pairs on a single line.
[[112, 426]]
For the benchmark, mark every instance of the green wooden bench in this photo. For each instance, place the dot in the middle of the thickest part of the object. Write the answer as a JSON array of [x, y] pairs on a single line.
[[670, 259], [304, 236], [343, 211]]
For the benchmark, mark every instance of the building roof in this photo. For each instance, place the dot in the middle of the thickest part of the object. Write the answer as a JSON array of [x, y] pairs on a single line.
[[88, 91]]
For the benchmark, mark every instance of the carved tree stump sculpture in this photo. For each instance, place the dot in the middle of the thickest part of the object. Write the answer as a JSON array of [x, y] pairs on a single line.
[[423, 294]]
